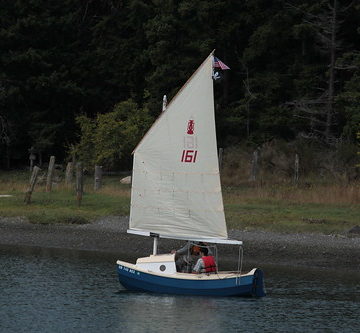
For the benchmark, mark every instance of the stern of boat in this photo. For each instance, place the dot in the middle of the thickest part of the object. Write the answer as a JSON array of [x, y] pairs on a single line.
[[258, 286]]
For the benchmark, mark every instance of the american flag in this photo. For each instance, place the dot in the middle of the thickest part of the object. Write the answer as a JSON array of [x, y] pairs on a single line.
[[219, 64]]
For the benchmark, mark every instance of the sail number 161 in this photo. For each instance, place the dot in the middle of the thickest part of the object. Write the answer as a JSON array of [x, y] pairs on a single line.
[[189, 156]]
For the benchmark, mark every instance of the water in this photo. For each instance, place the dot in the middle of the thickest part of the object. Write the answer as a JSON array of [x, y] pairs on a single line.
[[43, 291]]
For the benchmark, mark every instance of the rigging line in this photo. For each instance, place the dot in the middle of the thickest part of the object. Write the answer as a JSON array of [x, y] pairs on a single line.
[[216, 258], [240, 260], [217, 262]]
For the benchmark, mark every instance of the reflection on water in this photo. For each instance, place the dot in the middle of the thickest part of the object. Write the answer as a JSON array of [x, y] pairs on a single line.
[[67, 291]]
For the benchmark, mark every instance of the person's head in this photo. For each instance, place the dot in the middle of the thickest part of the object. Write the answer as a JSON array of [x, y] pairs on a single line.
[[204, 251], [195, 250]]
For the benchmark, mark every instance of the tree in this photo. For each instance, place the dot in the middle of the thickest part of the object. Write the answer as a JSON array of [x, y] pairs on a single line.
[[4, 140], [109, 139], [321, 24], [59, 60], [358, 137], [349, 98], [37, 53]]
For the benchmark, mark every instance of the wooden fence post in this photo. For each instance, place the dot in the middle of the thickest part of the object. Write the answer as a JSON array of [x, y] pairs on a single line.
[[50, 174], [32, 158], [79, 183], [98, 177], [254, 165], [69, 174], [30, 190], [296, 174]]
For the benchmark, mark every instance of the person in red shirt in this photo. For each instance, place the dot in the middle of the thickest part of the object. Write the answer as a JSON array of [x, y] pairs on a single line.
[[206, 264]]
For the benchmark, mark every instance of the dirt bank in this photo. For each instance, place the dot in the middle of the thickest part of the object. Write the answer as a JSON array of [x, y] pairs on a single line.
[[108, 236]]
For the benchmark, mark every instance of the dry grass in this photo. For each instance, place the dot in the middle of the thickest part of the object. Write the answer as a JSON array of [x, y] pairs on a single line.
[[326, 209], [317, 194], [113, 190], [276, 166], [276, 205]]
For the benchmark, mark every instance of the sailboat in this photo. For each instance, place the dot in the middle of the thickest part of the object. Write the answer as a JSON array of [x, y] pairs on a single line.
[[176, 194]]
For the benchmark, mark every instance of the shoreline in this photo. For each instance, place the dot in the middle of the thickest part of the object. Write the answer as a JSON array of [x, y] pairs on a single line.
[[107, 236]]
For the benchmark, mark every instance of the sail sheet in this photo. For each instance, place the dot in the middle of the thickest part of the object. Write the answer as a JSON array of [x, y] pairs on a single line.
[[176, 187]]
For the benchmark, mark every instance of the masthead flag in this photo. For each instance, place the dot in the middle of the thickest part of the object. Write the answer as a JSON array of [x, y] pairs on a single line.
[[219, 64]]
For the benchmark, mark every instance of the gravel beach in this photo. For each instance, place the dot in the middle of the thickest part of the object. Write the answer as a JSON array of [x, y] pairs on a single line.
[[108, 236]]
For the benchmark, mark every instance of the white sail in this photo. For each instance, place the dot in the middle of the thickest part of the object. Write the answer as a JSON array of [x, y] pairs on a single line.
[[176, 189]]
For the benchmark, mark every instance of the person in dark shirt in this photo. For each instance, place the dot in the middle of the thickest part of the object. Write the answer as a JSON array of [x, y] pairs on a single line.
[[186, 257]]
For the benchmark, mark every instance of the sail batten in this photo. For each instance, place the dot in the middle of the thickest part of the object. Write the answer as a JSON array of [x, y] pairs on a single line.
[[176, 186]]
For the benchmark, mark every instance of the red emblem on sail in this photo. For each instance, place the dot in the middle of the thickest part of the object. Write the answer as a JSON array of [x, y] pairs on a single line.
[[190, 127]]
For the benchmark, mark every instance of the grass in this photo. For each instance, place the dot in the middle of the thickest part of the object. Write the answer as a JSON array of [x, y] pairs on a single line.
[[323, 208], [320, 208], [60, 205]]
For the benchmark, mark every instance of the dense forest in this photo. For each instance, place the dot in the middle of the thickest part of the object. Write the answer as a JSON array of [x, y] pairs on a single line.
[[88, 76]]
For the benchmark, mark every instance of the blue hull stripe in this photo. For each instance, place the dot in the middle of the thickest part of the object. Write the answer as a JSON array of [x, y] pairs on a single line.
[[251, 285]]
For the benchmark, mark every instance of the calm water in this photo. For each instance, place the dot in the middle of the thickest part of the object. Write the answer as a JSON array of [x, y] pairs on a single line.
[[68, 292]]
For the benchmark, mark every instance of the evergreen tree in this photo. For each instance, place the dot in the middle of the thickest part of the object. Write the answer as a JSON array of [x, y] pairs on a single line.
[[294, 67]]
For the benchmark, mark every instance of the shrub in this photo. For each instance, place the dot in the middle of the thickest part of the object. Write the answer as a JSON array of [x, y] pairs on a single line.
[[109, 139]]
